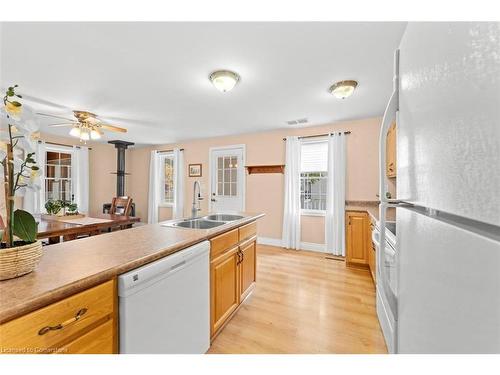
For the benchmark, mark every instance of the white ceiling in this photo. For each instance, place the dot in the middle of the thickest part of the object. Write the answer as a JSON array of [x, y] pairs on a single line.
[[152, 78]]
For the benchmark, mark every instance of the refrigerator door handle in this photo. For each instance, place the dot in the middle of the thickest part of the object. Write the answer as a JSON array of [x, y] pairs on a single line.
[[387, 120], [381, 259]]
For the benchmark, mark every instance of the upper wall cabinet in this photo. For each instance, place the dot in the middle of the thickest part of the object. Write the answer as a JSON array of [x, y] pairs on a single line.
[[390, 162]]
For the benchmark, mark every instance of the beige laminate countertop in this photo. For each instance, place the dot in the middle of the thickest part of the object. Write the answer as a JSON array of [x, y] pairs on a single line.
[[70, 267], [371, 207]]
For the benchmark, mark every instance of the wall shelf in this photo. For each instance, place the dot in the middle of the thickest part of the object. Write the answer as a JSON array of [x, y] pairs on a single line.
[[257, 169]]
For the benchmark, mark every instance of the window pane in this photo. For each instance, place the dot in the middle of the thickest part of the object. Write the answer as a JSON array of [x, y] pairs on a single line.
[[313, 190], [220, 162], [234, 189], [314, 156], [219, 188], [169, 180], [65, 172], [227, 187], [64, 159], [58, 183], [226, 162]]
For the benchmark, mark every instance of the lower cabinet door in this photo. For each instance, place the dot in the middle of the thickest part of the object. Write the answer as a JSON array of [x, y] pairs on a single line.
[[98, 341], [225, 287], [357, 238], [247, 267]]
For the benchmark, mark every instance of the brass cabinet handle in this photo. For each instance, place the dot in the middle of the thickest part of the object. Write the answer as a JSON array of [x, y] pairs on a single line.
[[77, 317], [240, 256]]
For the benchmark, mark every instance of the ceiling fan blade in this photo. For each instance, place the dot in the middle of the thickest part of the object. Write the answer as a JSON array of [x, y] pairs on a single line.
[[113, 128], [62, 124], [63, 118]]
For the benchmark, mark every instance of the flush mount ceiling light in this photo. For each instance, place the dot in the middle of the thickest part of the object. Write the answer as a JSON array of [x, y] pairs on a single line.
[[224, 80], [343, 89]]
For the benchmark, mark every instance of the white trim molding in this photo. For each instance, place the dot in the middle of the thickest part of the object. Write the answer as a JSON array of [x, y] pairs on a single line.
[[270, 241], [310, 246]]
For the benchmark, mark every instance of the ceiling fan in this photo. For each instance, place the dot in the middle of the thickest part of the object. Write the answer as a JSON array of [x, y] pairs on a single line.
[[85, 125]]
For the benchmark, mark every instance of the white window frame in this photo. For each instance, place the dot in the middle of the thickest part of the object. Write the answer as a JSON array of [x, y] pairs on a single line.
[[59, 149], [310, 212], [161, 171]]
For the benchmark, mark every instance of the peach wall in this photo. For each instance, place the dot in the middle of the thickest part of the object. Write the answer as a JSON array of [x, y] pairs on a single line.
[[264, 192]]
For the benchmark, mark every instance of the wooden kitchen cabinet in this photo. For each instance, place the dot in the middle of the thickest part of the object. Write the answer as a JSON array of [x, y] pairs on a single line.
[[224, 287], [390, 161], [232, 273], [247, 267], [357, 238], [82, 323]]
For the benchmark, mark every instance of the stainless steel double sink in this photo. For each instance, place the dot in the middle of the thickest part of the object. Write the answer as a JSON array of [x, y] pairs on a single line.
[[205, 222]]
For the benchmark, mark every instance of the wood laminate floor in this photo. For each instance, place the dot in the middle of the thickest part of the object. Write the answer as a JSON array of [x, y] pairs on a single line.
[[304, 303]]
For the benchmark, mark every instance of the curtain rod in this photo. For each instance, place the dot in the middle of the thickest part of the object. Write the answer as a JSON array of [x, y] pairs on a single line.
[[163, 151], [62, 144], [320, 135]]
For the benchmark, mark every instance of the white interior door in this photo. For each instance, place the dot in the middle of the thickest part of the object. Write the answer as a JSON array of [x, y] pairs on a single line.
[[227, 179]]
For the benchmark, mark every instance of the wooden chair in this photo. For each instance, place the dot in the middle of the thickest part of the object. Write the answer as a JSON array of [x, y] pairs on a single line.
[[121, 206]]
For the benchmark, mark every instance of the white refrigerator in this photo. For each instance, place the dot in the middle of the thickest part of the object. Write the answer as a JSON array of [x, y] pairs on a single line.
[[446, 103]]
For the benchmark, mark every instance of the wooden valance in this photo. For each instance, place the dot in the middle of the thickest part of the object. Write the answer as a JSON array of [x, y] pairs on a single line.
[[254, 169]]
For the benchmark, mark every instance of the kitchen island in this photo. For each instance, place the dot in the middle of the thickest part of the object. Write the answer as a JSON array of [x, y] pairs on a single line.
[[83, 272]]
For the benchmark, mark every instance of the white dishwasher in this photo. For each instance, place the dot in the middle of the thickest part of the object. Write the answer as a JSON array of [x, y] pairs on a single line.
[[164, 306]]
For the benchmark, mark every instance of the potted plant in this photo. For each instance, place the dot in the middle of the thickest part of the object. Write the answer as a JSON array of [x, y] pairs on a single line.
[[59, 210], [20, 251], [53, 207]]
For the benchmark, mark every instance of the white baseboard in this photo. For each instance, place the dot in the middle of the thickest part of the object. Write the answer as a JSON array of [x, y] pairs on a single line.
[[270, 241], [320, 247]]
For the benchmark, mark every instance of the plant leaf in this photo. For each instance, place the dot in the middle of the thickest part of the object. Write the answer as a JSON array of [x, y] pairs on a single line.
[[25, 226]]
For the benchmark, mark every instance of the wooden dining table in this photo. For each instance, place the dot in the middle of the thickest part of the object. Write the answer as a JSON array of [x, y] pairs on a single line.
[[54, 229]]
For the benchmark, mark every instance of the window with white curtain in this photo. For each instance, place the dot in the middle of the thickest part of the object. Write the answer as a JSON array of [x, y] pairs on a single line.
[[313, 176], [167, 179]]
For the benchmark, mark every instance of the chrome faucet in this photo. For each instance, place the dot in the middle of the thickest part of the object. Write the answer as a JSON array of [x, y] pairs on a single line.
[[194, 209]]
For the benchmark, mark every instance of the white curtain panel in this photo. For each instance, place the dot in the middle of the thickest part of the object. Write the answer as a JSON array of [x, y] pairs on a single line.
[[335, 199], [80, 177], [154, 182], [291, 214], [178, 209], [34, 200]]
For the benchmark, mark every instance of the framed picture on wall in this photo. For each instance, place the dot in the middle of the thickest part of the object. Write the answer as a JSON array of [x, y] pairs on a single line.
[[194, 170]]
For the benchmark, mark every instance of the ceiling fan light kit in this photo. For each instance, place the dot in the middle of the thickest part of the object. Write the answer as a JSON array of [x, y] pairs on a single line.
[[87, 125], [75, 132]]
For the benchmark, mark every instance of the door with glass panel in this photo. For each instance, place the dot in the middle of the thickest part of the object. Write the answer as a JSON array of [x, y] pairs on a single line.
[[227, 179]]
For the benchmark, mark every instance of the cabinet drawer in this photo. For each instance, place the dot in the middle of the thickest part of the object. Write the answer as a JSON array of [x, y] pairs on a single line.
[[247, 231], [31, 331], [223, 242], [98, 341]]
